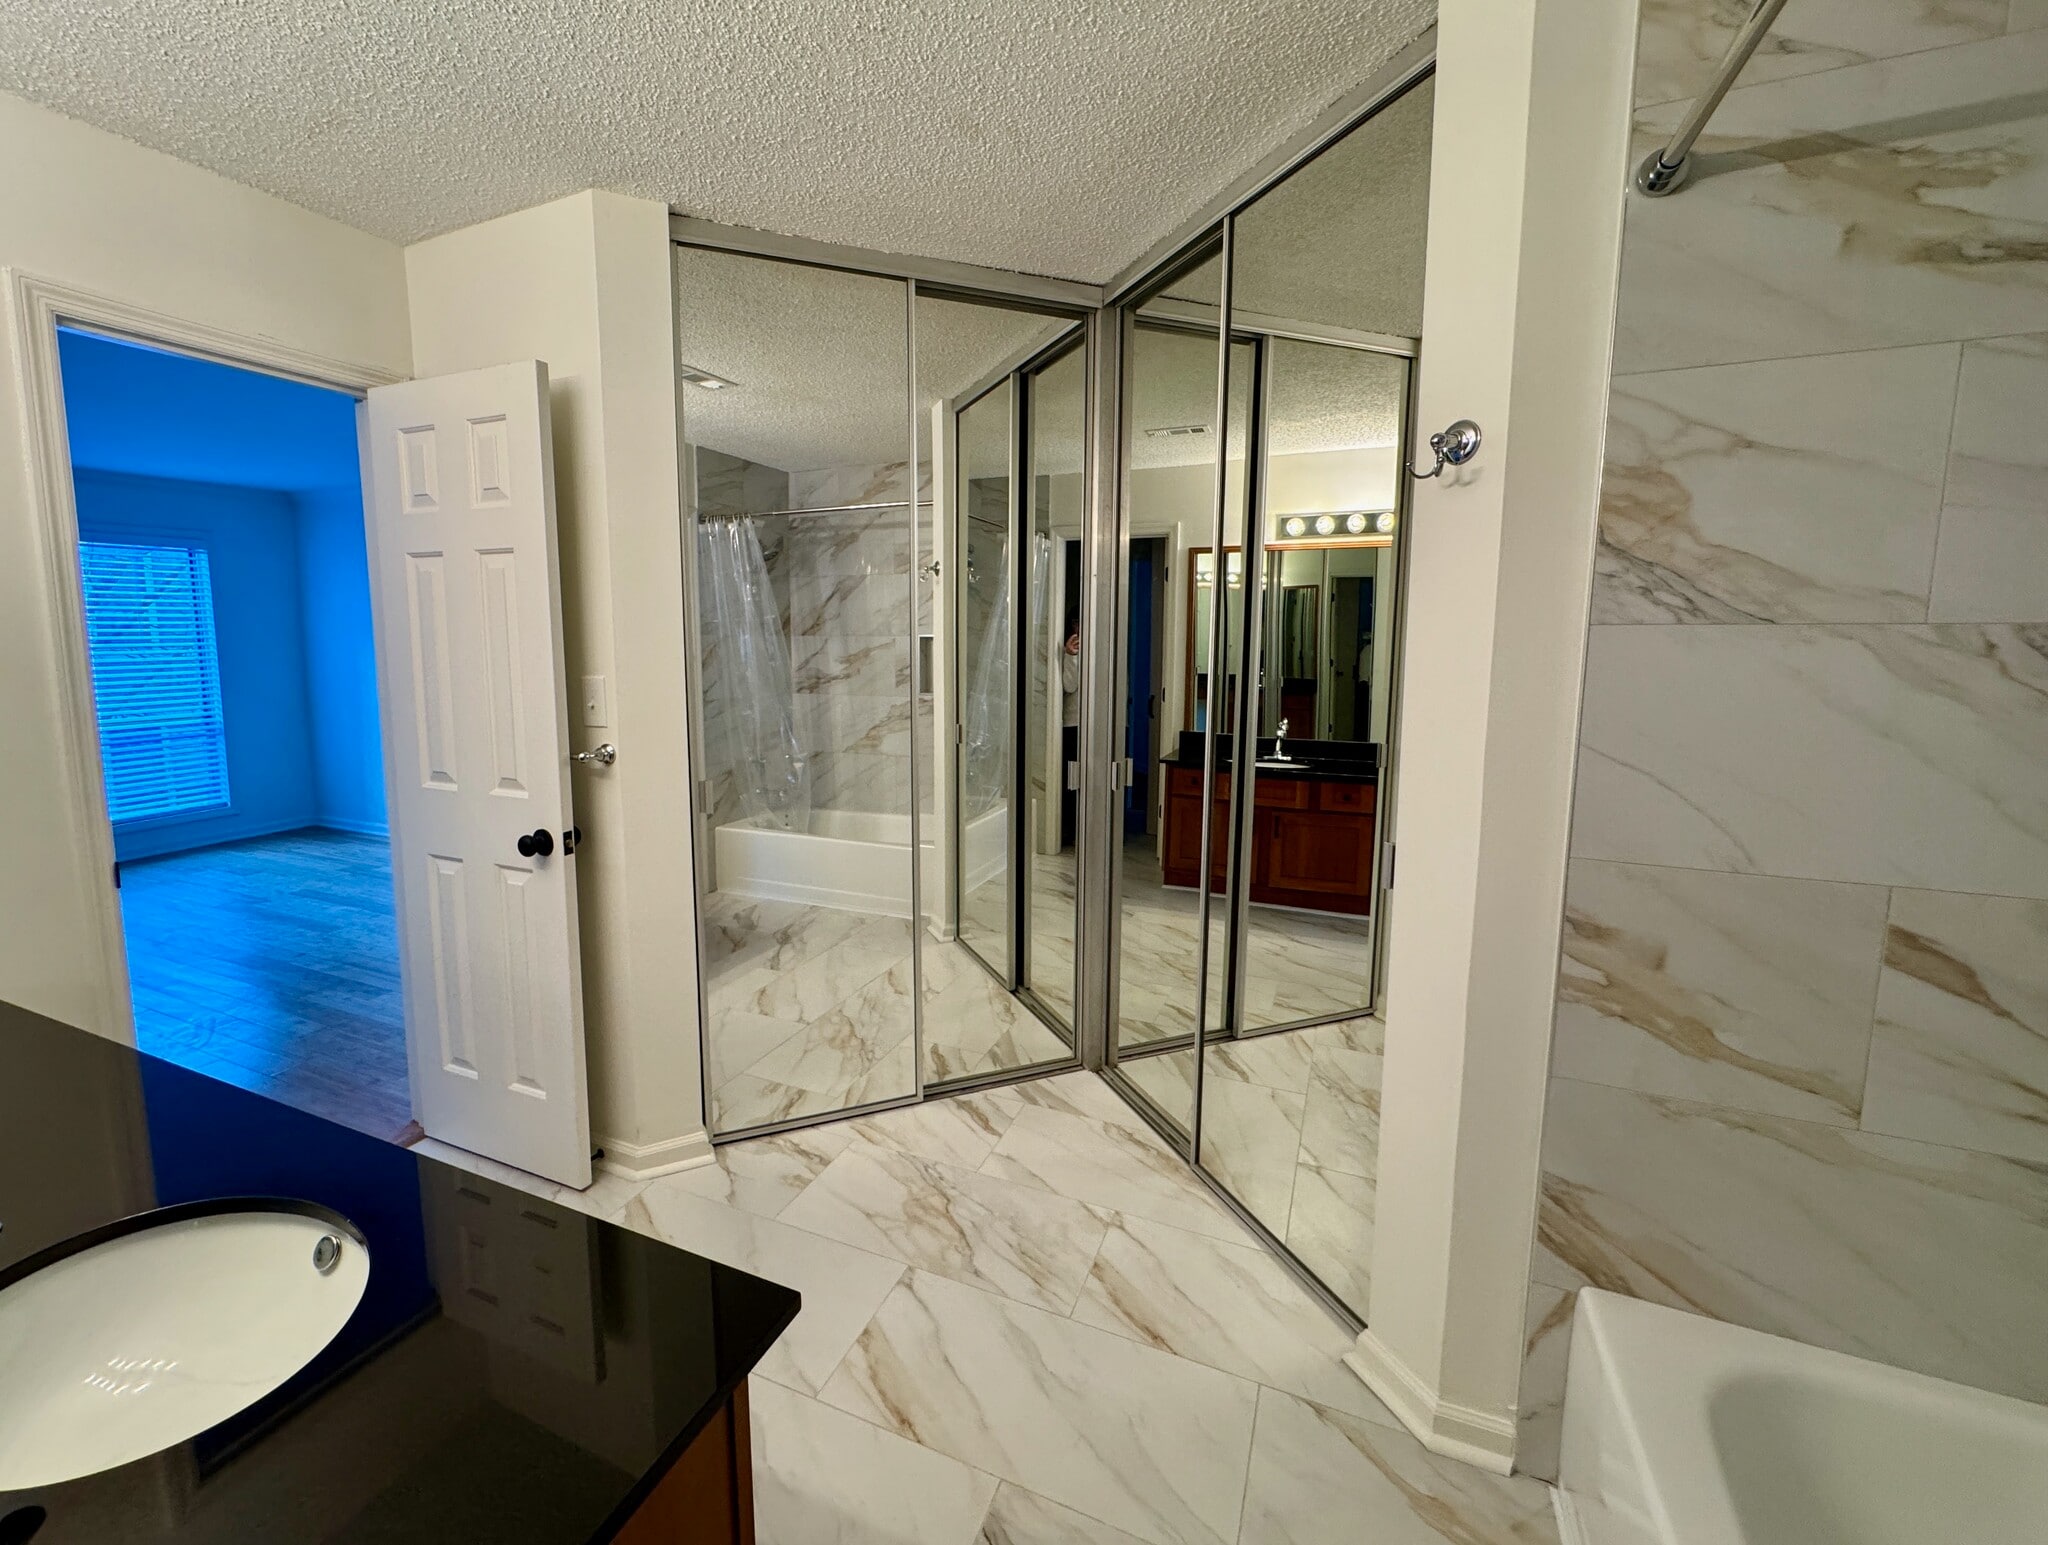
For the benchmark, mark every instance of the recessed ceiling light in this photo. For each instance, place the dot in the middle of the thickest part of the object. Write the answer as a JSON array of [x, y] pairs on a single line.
[[703, 378]]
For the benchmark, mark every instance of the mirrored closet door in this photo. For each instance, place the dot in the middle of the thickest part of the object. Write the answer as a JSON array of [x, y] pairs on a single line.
[[882, 483], [1260, 663]]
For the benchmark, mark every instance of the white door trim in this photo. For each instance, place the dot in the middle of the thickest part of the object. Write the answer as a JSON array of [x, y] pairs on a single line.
[[37, 306]]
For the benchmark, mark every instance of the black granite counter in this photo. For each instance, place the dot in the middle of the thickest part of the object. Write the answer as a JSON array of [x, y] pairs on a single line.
[[517, 1372]]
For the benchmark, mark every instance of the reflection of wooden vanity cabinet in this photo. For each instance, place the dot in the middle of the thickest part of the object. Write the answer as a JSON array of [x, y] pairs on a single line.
[[1311, 838]]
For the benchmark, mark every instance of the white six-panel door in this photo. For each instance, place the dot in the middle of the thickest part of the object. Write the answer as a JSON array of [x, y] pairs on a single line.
[[469, 647]]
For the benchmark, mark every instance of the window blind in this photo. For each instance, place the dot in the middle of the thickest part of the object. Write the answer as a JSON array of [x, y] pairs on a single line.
[[155, 678]]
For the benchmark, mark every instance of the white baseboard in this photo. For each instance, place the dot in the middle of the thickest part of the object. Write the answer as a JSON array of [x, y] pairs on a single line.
[[1477, 1437], [358, 828], [636, 1161]]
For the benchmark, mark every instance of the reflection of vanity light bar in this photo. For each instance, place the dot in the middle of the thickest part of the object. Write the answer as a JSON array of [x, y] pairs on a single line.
[[703, 378], [1176, 429], [1340, 525]]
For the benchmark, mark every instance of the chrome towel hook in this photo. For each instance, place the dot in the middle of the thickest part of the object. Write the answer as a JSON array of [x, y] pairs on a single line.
[[1455, 445]]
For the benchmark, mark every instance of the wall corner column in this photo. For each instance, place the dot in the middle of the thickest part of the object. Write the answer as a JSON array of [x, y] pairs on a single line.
[[1529, 161]]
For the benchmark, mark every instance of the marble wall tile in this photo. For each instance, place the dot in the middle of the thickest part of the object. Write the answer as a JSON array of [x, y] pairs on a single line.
[[1928, 1257], [1018, 1240], [1546, 1352], [1231, 1306], [1681, 41], [1883, 755], [822, 1477], [1145, 1441], [1319, 1477], [1801, 490], [1992, 565], [1904, 207], [1960, 1053], [1739, 990]]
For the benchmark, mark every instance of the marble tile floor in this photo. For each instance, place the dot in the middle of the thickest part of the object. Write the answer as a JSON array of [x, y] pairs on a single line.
[[1290, 1125], [810, 1006], [1026, 1323], [810, 1012]]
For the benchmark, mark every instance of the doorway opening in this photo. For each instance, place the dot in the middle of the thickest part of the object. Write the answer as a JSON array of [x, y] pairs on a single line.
[[225, 578]]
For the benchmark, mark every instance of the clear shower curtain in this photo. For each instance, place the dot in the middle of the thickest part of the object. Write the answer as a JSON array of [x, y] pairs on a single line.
[[988, 689], [750, 699]]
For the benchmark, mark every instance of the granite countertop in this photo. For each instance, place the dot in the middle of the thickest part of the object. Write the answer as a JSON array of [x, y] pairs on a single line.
[[517, 1372]]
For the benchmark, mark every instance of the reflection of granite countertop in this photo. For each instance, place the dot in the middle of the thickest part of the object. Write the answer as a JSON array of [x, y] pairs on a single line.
[[1304, 770], [517, 1371]]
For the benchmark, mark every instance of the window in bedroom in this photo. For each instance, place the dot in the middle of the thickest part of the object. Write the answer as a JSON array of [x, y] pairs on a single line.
[[155, 679]]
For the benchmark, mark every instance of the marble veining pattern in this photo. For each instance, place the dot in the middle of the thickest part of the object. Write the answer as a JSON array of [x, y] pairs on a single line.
[[1128, 1402], [1740, 990], [1804, 986], [1960, 1052], [1993, 561], [1803, 490], [1844, 1239], [1903, 755]]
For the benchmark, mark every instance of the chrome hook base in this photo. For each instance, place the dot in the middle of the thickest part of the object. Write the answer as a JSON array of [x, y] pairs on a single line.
[[1453, 446]]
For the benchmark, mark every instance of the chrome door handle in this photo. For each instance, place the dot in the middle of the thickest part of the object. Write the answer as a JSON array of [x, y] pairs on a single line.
[[604, 755]]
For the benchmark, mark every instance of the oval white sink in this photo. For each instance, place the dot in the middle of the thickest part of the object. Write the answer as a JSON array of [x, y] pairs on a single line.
[[144, 1339]]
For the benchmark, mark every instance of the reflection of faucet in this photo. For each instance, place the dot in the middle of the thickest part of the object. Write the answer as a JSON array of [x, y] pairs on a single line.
[[1280, 743]]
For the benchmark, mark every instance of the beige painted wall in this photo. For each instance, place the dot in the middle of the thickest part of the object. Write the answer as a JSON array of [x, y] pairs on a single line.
[[101, 214], [583, 283]]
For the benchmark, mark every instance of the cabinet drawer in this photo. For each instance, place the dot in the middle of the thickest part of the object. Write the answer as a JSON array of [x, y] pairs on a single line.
[[1283, 793], [1347, 796]]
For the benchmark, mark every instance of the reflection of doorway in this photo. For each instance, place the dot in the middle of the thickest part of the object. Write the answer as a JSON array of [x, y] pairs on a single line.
[[224, 574], [1145, 687]]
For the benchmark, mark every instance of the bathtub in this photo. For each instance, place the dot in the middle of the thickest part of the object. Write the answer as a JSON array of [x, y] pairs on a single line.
[[854, 860], [1681, 1430]]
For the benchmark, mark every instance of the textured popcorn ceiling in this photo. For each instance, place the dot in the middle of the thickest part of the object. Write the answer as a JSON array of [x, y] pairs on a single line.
[[1060, 137]]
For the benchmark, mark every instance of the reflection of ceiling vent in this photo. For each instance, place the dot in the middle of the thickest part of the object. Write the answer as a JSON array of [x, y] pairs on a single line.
[[703, 378], [1172, 431]]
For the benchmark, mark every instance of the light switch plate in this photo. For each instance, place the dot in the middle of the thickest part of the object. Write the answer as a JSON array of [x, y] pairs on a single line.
[[596, 710]]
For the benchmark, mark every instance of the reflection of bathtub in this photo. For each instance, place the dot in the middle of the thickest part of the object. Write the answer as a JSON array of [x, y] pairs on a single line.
[[854, 860], [1680, 1430]]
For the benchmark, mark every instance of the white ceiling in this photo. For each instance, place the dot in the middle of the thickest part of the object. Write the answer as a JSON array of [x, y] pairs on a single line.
[[1061, 137]]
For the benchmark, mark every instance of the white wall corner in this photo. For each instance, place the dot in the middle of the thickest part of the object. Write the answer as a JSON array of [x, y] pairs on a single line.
[[1482, 1438], [645, 1161], [1530, 156]]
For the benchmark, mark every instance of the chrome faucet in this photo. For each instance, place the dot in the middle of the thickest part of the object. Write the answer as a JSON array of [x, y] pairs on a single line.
[[1280, 743]]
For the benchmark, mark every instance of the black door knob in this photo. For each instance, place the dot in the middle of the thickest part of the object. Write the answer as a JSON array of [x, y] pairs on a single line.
[[539, 845]]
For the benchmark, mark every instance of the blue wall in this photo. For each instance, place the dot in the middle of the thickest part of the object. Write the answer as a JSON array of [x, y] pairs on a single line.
[[251, 540], [341, 668], [263, 474]]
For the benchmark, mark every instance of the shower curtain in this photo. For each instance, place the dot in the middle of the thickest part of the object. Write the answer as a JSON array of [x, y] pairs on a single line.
[[750, 697], [988, 689]]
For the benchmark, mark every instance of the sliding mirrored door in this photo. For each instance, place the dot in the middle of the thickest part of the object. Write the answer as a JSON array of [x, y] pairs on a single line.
[[1327, 279], [1004, 429], [796, 417]]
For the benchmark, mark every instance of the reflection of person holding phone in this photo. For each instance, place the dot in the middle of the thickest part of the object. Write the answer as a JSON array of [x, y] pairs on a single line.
[[1070, 723]]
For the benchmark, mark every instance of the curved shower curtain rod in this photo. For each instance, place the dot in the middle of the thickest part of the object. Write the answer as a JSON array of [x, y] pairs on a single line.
[[1667, 170]]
